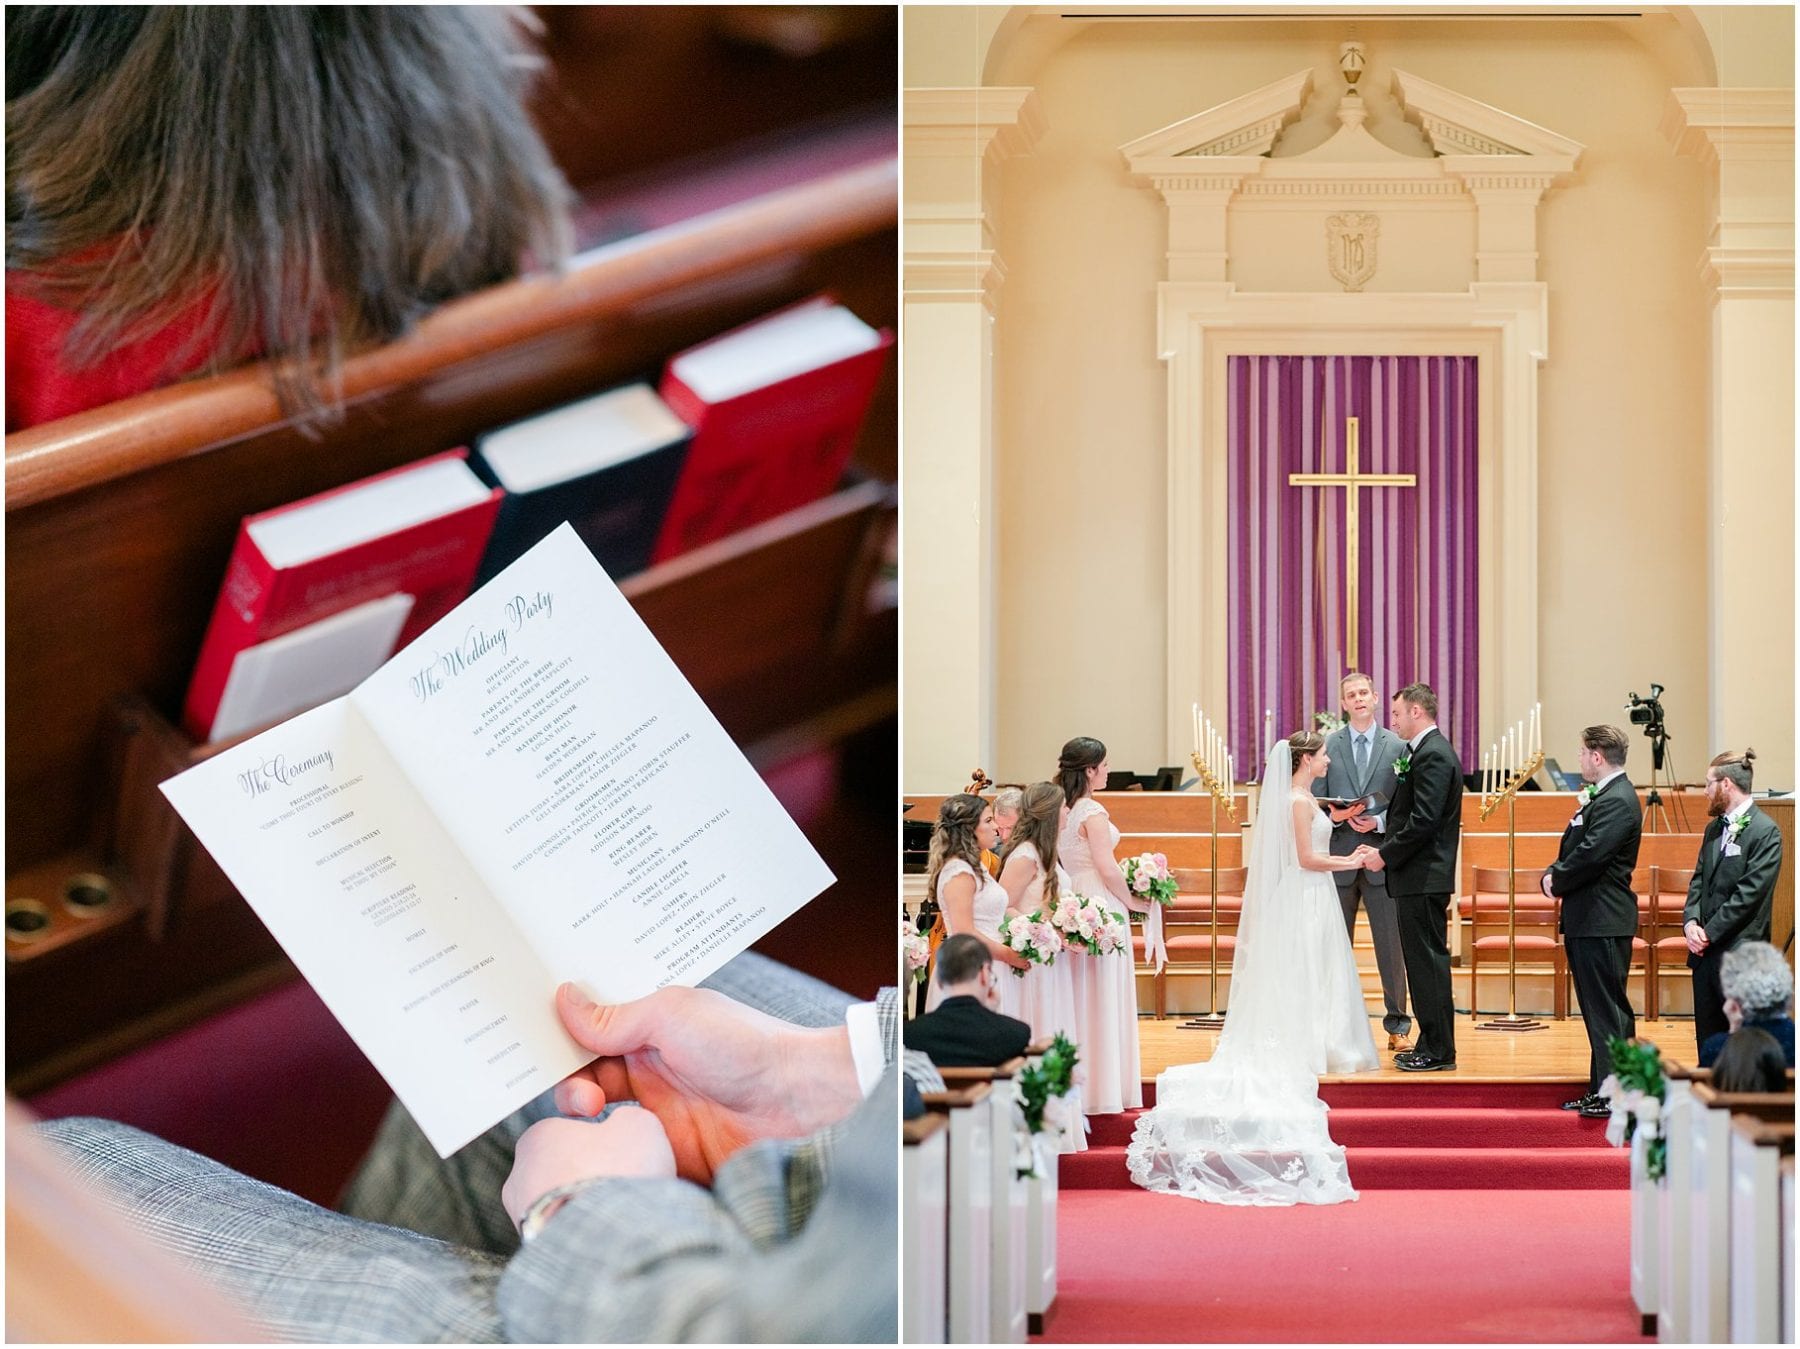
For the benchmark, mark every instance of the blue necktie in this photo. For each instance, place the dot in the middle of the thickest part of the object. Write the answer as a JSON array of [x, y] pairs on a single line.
[[1362, 757]]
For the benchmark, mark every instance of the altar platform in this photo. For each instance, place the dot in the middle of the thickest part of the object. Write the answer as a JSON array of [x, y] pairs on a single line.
[[1558, 1053]]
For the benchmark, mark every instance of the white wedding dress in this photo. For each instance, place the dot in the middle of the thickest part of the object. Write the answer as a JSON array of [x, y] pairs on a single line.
[[1247, 1126]]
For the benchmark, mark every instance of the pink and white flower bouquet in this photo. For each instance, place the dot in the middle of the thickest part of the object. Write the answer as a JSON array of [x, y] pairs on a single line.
[[1148, 877], [1088, 924], [1032, 936], [918, 951]]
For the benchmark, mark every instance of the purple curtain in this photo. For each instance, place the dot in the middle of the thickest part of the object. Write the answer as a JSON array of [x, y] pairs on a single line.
[[1416, 573]]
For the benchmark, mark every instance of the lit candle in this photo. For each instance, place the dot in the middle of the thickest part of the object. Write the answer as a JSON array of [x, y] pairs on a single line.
[[1484, 772], [1268, 729], [1537, 728], [1506, 752], [1196, 727]]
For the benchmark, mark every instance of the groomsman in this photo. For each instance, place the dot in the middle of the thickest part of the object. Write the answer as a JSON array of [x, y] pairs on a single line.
[[1733, 888], [1362, 761], [1592, 876], [1419, 857]]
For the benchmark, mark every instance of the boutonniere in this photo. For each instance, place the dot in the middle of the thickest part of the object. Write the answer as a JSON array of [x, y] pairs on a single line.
[[1736, 827], [1402, 766], [1589, 792]]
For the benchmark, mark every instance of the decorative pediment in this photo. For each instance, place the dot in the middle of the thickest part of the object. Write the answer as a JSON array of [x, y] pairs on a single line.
[[1458, 125], [1428, 148], [1247, 125], [1453, 125]]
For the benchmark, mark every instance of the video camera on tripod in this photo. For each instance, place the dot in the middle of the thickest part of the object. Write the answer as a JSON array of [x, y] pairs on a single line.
[[1648, 713]]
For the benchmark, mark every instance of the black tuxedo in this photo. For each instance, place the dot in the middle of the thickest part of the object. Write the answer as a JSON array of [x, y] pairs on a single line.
[[962, 1033], [1592, 877], [1730, 897], [1424, 823]]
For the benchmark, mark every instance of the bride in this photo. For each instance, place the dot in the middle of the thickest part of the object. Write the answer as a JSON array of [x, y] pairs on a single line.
[[1247, 1126]]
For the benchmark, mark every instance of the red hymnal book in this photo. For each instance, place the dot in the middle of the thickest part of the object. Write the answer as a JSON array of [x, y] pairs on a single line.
[[776, 407], [320, 592]]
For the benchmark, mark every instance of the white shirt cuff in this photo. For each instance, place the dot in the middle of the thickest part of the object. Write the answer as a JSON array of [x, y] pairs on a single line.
[[865, 1044]]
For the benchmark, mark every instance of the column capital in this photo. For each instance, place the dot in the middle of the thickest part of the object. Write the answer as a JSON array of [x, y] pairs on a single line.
[[1740, 124], [951, 277], [969, 123]]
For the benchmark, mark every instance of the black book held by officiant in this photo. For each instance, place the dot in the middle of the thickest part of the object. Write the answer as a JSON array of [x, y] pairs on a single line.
[[1373, 804]]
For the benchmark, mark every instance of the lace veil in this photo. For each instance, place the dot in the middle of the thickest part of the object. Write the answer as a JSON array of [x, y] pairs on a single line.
[[1247, 1126]]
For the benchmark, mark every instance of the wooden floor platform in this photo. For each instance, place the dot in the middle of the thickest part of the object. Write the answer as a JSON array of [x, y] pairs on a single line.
[[1558, 1053]]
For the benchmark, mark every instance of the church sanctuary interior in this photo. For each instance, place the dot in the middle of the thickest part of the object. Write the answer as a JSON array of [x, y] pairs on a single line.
[[1249, 348], [726, 162]]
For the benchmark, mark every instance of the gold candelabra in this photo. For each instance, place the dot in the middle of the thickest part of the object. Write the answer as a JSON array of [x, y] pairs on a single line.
[[1505, 792], [1222, 796]]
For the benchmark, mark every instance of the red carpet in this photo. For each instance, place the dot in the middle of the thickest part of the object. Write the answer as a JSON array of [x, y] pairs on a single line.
[[1397, 1266], [1487, 1214]]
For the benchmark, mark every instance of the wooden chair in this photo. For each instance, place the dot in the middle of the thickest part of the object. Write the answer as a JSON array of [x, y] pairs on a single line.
[[1668, 947], [1535, 920], [1187, 927]]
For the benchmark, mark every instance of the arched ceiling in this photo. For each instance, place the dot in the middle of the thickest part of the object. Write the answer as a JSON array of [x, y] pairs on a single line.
[[1020, 39]]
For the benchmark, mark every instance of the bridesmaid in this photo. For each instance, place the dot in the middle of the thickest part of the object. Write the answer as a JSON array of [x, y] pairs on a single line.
[[1105, 986], [969, 899], [1033, 879]]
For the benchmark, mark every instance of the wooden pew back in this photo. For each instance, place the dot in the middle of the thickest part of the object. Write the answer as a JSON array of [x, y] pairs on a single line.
[[120, 522]]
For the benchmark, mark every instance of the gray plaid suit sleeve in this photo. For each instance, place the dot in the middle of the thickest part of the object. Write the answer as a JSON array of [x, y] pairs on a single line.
[[795, 1243], [301, 1271], [768, 1253], [404, 1183]]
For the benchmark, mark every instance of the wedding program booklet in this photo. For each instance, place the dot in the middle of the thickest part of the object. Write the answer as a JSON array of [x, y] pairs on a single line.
[[528, 793]]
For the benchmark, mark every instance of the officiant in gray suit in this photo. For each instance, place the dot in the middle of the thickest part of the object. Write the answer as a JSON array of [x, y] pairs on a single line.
[[1362, 762]]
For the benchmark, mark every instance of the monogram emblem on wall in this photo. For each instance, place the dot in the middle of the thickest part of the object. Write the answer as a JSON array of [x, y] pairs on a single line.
[[1350, 247]]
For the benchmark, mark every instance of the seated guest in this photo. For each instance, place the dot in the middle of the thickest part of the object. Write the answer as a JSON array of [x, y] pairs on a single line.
[[912, 1105], [918, 1074], [964, 1031], [332, 176], [1750, 1061], [1759, 993]]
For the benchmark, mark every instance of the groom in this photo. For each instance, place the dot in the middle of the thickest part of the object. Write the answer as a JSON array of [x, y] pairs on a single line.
[[1362, 761], [1424, 823]]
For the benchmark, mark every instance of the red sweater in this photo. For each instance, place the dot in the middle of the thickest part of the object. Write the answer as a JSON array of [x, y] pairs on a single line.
[[41, 386]]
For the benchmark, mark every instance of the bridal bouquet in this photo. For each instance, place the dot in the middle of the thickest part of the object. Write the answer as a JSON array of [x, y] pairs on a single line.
[[1032, 936], [918, 951], [1148, 877]]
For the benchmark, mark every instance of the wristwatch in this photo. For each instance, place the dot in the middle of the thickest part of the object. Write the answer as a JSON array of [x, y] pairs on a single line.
[[544, 1207]]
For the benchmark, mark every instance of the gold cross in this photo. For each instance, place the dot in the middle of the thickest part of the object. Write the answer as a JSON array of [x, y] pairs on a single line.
[[1353, 481]]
